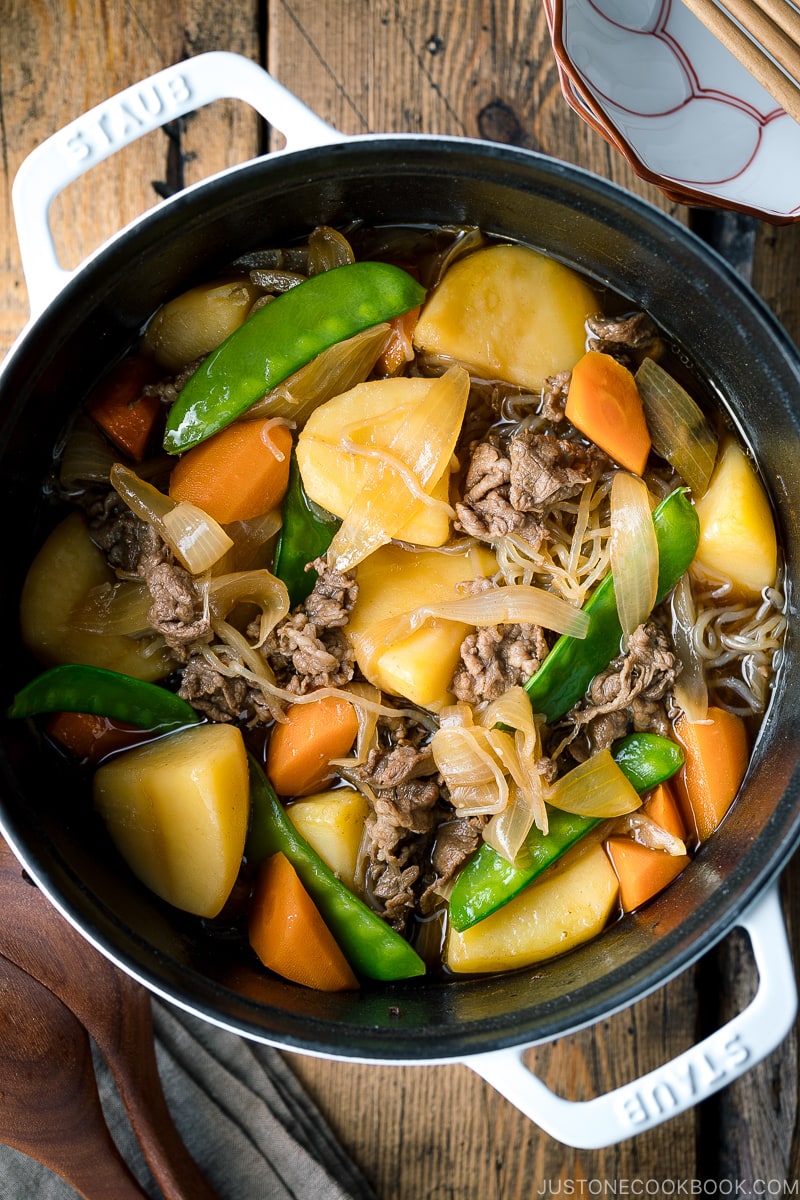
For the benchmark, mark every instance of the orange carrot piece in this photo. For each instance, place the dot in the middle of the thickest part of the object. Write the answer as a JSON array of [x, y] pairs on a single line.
[[239, 473], [603, 402], [301, 747], [716, 760], [117, 405], [662, 807], [289, 935], [399, 350], [642, 872], [91, 738]]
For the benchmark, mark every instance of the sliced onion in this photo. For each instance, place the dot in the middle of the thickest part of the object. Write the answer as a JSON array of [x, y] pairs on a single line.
[[194, 537], [251, 542], [115, 608], [595, 788], [327, 249], [634, 551], [86, 457], [332, 372], [196, 540], [517, 603], [513, 711], [367, 723], [474, 777], [491, 771], [506, 832], [679, 431], [691, 690], [250, 587], [385, 504], [649, 833]]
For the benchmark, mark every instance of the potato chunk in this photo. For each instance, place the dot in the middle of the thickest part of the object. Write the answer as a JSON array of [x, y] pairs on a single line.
[[177, 810], [333, 477], [509, 312], [737, 532], [196, 322], [66, 568], [332, 823], [568, 906], [392, 581]]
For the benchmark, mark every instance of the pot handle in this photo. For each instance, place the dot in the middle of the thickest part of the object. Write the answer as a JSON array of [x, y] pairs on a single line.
[[123, 119], [685, 1081]]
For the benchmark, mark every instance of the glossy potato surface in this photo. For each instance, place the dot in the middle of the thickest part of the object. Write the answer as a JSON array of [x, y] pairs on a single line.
[[67, 566], [569, 905], [509, 312], [177, 811], [392, 581]]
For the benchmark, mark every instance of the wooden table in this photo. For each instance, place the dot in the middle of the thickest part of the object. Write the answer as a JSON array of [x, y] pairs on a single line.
[[463, 67]]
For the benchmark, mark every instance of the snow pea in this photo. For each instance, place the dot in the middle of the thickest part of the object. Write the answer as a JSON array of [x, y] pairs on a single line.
[[306, 532], [489, 881], [572, 664], [283, 336], [647, 759], [372, 947], [74, 687]]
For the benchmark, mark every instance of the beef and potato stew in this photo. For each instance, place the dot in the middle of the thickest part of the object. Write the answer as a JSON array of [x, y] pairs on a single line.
[[410, 607]]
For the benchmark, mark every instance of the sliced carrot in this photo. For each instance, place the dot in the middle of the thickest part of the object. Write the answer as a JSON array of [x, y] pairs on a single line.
[[662, 807], [642, 872], [117, 405], [239, 473], [289, 935], [302, 746], [399, 350], [91, 738], [603, 402], [717, 753]]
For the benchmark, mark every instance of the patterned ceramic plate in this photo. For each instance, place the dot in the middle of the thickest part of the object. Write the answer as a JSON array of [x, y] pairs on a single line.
[[650, 78]]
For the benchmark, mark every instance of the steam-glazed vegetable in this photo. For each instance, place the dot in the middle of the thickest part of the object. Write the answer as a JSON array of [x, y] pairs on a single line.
[[73, 687], [640, 761], [737, 533], [455, 592], [68, 569], [281, 337], [306, 533], [572, 664], [509, 313], [177, 810]]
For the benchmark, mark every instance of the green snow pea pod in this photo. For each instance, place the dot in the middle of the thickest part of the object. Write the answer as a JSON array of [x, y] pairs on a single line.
[[572, 664], [306, 532], [489, 881], [280, 338], [647, 759], [372, 947], [73, 687]]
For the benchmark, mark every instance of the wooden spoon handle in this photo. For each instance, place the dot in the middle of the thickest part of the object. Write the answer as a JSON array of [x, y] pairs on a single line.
[[115, 1010], [49, 1105], [129, 1051]]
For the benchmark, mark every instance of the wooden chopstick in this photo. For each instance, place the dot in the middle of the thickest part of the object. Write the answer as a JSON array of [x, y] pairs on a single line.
[[764, 35]]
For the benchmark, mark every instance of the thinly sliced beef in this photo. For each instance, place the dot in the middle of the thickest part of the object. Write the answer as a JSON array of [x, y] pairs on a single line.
[[496, 658], [135, 550], [545, 470], [510, 486], [629, 338], [308, 650], [631, 695]]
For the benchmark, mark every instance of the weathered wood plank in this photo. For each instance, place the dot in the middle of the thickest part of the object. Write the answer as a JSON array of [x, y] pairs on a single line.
[[59, 60]]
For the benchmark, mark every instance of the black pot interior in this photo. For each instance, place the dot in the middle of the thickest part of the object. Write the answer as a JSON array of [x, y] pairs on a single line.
[[723, 329]]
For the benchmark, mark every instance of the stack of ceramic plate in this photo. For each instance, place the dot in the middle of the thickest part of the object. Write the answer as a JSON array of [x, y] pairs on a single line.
[[660, 88]]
